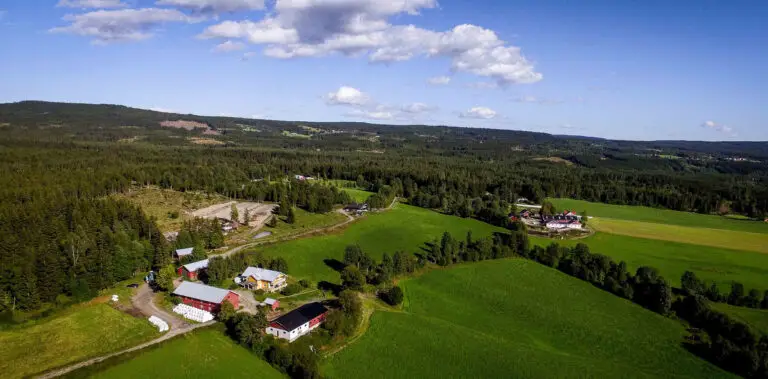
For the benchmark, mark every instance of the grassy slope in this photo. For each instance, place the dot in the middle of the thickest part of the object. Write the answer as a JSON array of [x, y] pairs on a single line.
[[207, 353], [358, 195], [515, 318], [757, 319], [81, 332], [404, 228], [673, 259], [662, 216], [727, 239]]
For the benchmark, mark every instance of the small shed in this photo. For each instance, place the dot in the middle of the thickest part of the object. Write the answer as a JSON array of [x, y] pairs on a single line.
[[183, 252], [272, 303], [191, 270]]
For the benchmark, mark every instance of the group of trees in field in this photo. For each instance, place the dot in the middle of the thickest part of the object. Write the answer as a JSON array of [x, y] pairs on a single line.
[[731, 345], [360, 269], [693, 286], [449, 250], [345, 319], [646, 287]]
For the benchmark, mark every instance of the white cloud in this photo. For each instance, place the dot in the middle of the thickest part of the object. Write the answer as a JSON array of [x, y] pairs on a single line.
[[483, 85], [536, 100], [372, 115], [347, 96], [439, 80], [91, 4], [121, 25], [718, 127], [214, 6], [416, 108], [229, 46], [315, 28], [479, 112]]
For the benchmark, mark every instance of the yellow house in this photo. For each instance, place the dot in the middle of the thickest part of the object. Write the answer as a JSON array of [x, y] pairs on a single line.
[[263, 279]]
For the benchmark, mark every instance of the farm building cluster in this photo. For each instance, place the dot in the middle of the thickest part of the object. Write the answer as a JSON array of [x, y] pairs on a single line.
[[567, 220]]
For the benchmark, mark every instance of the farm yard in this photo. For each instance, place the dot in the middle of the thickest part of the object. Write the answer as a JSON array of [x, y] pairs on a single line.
[[205, 353], [516, 318], [78, 333]]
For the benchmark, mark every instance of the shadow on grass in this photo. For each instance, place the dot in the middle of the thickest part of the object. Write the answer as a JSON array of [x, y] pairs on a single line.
[[328, 286], [335, 264]]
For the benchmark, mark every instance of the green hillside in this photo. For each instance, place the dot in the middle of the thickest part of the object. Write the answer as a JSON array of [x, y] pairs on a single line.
[[404, 228], [517, 319]]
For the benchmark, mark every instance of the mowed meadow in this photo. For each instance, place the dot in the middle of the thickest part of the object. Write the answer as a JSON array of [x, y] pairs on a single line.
[[716, 248], [402, 228], [205, 353], [517, 319]]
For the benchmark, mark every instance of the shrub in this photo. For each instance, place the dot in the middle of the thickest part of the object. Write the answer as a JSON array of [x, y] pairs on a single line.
[[291, 289], [392, 296]]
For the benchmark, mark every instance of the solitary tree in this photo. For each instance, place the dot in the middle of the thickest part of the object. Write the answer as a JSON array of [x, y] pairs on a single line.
[[234, 214], [247, 216], [291, 218], [165, 278]]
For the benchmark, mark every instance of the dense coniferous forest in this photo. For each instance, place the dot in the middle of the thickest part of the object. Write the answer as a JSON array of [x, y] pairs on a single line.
[[63, 234]]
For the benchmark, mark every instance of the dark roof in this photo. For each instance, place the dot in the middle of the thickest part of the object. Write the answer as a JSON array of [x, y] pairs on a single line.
[[300, 316], [355, 206]]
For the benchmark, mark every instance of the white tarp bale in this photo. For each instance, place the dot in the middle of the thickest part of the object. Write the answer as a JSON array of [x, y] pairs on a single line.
[[162, 326], [192, 313], [114, 298]]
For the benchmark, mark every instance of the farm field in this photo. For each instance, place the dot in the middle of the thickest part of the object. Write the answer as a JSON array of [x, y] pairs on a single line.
[[516, 318], [727, 239], [359, 196], [661, 216], [404, 228], [672, 259], [78, 333], [161, 203], [206, 353]]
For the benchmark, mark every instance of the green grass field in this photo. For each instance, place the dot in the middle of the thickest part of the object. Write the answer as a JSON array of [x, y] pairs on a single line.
[[727, 239], [661, 216], [673, 259], [76, 334], [516, 319], [757, 319], [358, 195], [404, 228], [206, 353]]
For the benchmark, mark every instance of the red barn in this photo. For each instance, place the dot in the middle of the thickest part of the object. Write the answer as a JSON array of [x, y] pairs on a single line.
[[191, 270], [205, 297]]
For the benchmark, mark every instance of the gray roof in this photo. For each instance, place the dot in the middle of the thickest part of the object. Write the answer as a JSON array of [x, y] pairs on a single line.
[[201, 292], [259, 273], [270, 301], [183, 252], [194, 266]]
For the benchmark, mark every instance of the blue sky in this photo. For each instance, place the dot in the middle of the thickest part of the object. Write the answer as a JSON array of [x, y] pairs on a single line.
[[695, 70]]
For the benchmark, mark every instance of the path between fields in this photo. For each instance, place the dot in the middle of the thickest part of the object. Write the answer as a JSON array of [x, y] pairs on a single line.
[[144, 302], [310, 232]]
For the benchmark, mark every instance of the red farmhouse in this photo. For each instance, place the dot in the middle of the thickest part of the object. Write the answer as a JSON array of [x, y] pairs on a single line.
[[191, 270], [205, 297]]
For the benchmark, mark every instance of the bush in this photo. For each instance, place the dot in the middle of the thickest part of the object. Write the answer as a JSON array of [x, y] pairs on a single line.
[[291, 289], [305, 283], [393, 296]]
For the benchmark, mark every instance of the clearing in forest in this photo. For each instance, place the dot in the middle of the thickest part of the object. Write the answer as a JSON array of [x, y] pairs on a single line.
[[169, 207], [259, 212], [404, 227], [205, 353], [516, 318], [81, 332]]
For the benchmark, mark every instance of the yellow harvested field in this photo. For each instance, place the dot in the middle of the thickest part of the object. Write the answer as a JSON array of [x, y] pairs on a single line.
[[205, 141], [729, 239]]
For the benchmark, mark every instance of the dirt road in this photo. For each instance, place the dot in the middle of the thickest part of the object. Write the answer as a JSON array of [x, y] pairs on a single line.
[[143, 301]]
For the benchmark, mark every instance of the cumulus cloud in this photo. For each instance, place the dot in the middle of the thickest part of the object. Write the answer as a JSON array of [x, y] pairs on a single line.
[[121, 25], [315, 28], [214, 6], [416, 108], [91, 4], [229, 46], [479, 113], [439, 80], [718, 127], [347, 96]]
